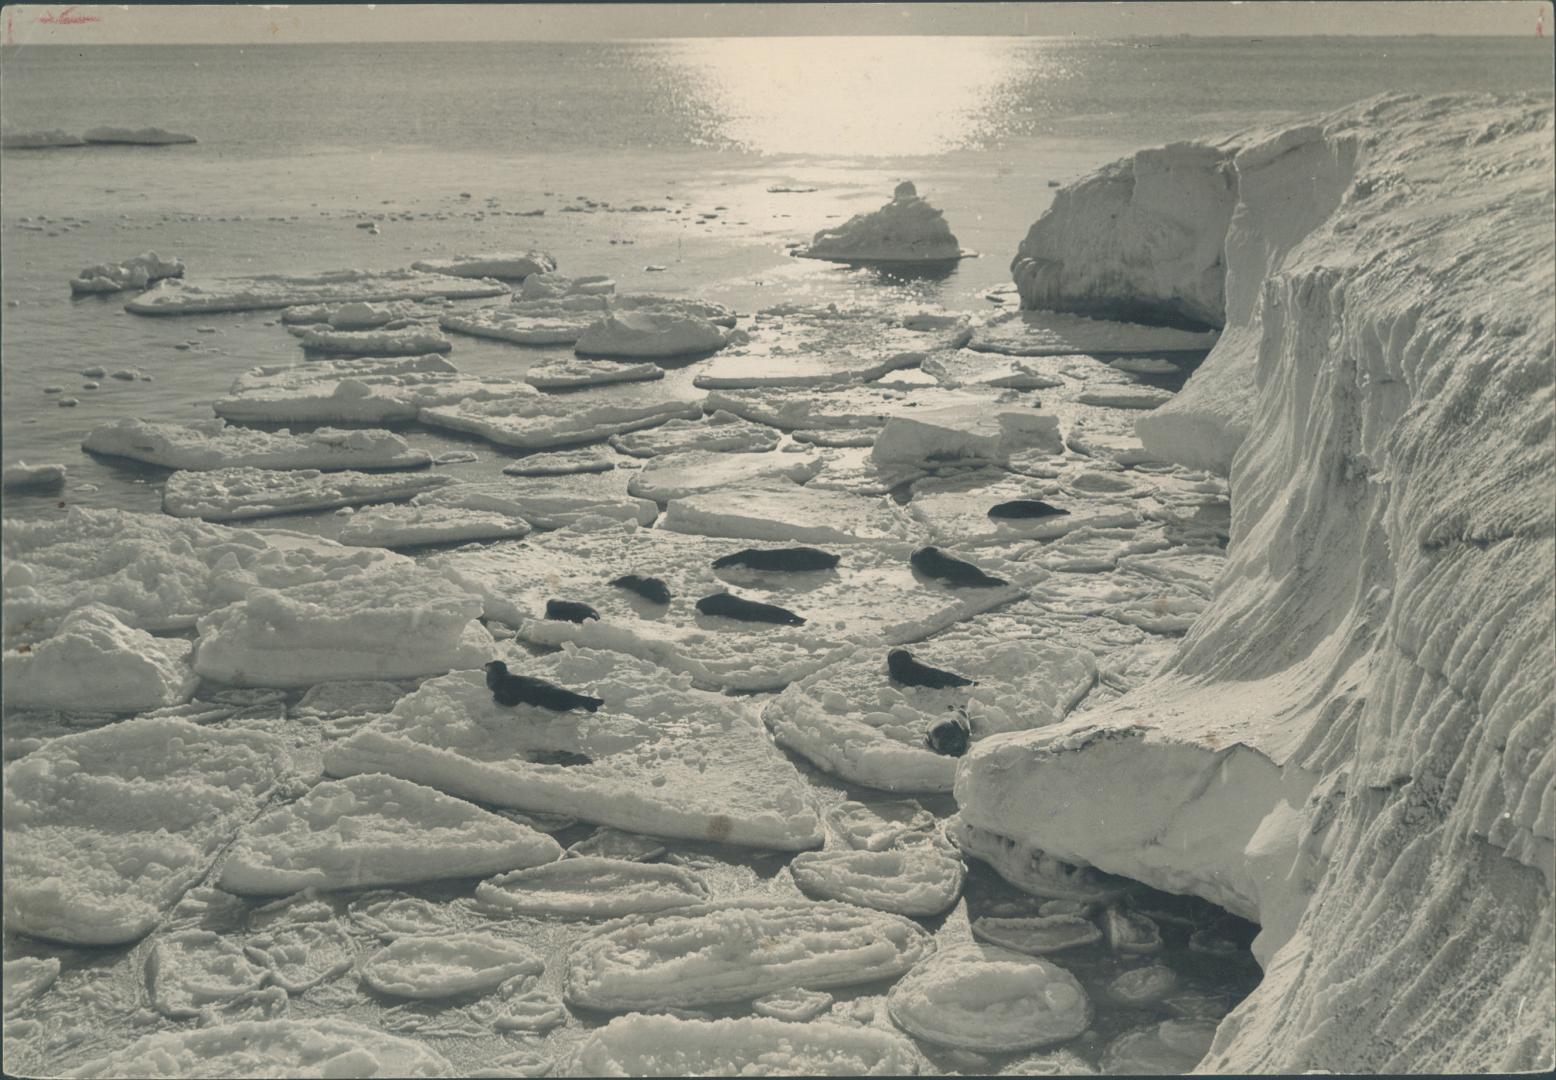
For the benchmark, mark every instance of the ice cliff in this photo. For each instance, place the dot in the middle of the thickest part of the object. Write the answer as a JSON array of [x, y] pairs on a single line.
[[1353, 743]]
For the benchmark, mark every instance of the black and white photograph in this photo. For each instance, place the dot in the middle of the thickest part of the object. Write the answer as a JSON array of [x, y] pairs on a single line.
[[778, 539]]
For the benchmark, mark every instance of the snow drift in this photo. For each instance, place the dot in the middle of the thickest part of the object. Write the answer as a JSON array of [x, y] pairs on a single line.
[[1353, 745]]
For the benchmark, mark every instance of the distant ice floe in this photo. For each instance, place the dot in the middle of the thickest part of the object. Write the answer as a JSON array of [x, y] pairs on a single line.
[[506, 266], [21, 476], [38, 140], [133, 273], [89, 870], [535, 421], [96, 663], [147, 136], [1125, 397], [406, 342], [212, 444], [282, 1047], [179, 296], [905, 230], [373, 831], [661, 757], [228, 494], [650, 334], [644, 1045], [738, 950], [390, 625], [411, 526], [571, 374], [1053, 333]]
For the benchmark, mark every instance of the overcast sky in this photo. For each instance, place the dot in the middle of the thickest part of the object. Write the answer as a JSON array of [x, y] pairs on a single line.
[[155, 24]]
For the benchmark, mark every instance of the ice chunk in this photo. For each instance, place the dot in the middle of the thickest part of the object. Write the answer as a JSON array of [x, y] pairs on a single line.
[[592, 459], [390, 915], [1037, 935], [193, 969], [1053, 333], [229, 494], [848, 408], [794, 515], [968, 367], [27, 977], [663, 758], [212, 444], [136, 272], [519, 327], [796, 1005], [543, 501], [665, 1046], [984, 998], [38, 140], [541, 421], [96, 663], [593, 886], [411, 341], [271, 1048], [360, 316], [960, 436], [438, 967], [572, 373], [380, 626], [608, 843], [376, 830], [918, 879], [369, 370], [178, 296], [1125, 397], [147, 136], [907, 229], [21, 476], [650, 334], [409, 526], [693, 472], [106, 829], [721, 432], [1141, 986], [814, 350], [508, 266], [319, 395], [881, 825], [736, 951], [550, 285]]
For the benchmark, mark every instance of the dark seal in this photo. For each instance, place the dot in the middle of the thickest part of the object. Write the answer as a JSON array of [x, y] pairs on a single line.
[[649, 588], [511, 690], [949, 737], [932, 562], [792, 560], [909, 672], [733, 607], [1025, 510], [570, 611]]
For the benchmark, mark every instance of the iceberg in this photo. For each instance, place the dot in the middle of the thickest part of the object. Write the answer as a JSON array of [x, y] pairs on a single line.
[[133, 273], [179, 296], [905, 230], [392, 625], [376, 830], [231, 493], [660, 757], [535, 421], [640, 1045], [96, 663], [105, 830], [213, 444], [1356, 752], [147, 136], [507, 266]]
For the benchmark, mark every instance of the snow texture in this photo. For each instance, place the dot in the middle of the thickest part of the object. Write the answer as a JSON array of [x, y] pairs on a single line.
[[641, 1045], [193, 970], [179, 296], [96, 663], [906, 229], [104, 830], [28, 977], [376, 830], [229, 494], [212, 444]]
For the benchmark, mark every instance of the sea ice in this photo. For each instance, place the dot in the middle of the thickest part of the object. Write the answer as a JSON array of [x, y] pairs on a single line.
[[133, 273], [1166, 1048], [1037, 935], [94, 662], [542, 421], [389, 915], [545, 502], [442, 966], [192, 970], [793, 515], [302, 955], [1125, 397], [38, 140], [649, 334], [1053, 333], [984, 998], [960, 436], [313, 394], [608, 843], [592, 459], [507, 266], [594, 887], [106, 829], [854, 407], [392, 625], [881, 825], [1144, 985], [147, 136], [918, 879], [907, 229], [722, 432], [815, 350], [411, 341], [178, 296], [1032, 870], [229, 494], [569, 374], [21, 476], [271, 1048], [551, 285], [213, 444], [410, 526], [695, 472], [376, 830], [663, 758], [641, 1045], [27, 977], [968, 367], [735, 951], [957, 509]]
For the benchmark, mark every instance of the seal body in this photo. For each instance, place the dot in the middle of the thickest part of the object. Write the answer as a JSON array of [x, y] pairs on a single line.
[[570, 611], [790, 560], [733, 607], [909, 672], [649, 588], [1025, 510], [932, 562], [510, 690], [949, 737]]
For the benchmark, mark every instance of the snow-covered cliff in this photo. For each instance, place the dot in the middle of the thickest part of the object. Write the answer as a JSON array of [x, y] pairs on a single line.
[[1354, 744]]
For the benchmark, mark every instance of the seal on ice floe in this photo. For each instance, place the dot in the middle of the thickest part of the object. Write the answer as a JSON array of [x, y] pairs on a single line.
[[649, 588], [909, 672], [1026, 509], [790, 560], [949, 737], [734, 607], [570, 611], [510, 690], [932, 562]]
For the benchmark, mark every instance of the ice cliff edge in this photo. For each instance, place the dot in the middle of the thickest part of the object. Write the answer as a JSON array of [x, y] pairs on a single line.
[[1354, 743]]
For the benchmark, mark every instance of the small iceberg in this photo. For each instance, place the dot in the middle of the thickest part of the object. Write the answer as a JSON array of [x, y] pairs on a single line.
[[905, 230], [149, 136], [136, 272], [38, 140], [97, 663], [24, 477], [505, 266], [649, 334]]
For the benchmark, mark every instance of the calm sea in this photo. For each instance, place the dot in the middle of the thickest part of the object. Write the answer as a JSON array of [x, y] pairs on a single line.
[[300, 143]]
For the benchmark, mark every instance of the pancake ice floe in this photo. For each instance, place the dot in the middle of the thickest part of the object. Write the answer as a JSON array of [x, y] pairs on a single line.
[[592, 886], [213, 444], [641, 1045], [183, 296], [442, 966]]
